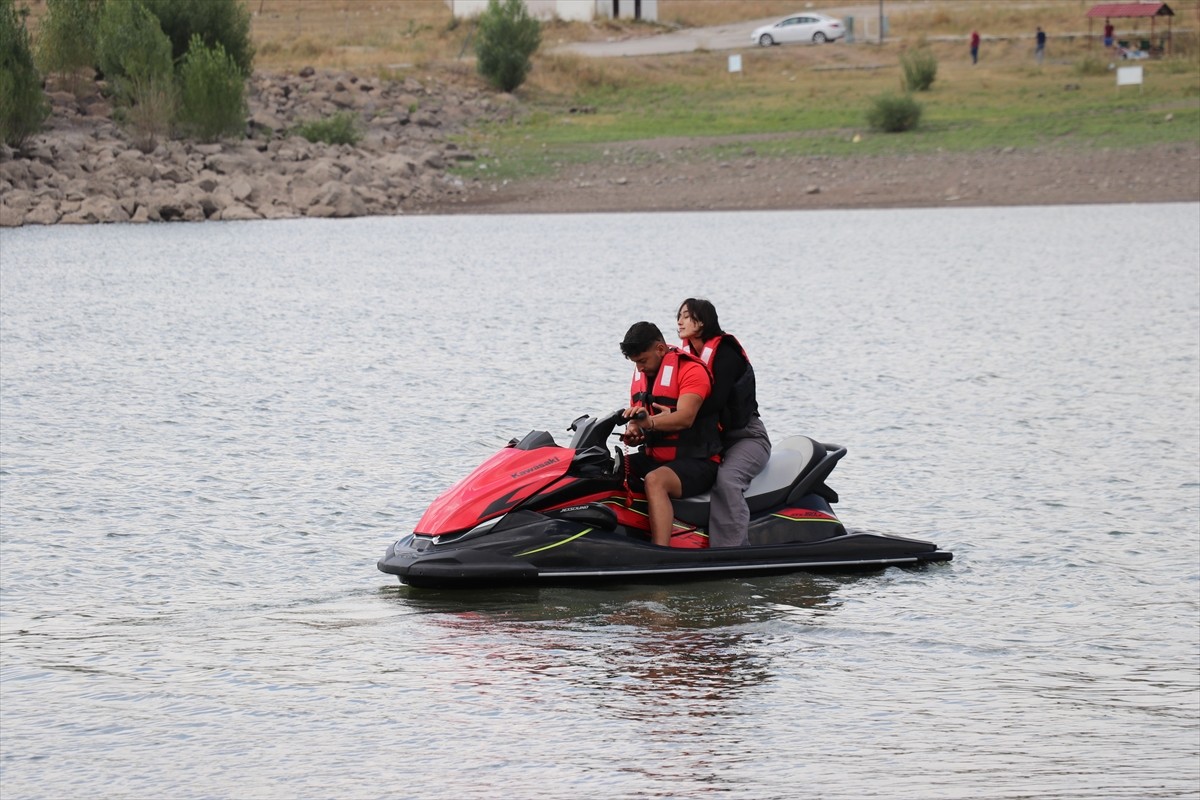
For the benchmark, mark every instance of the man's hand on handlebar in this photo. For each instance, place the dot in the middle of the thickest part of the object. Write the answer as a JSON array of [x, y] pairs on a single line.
[[634, 434]]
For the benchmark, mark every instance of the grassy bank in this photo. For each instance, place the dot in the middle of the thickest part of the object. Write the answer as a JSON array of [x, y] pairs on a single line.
[[796, 102], [788, 101]]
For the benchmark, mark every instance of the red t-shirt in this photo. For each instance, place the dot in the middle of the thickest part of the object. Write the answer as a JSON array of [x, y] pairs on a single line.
[[693, 379]]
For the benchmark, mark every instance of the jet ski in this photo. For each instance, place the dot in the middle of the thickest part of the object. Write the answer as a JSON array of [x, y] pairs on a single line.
[[539, 513]]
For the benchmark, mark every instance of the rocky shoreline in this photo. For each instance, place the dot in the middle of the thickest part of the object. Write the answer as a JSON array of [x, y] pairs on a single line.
[[84, 169]]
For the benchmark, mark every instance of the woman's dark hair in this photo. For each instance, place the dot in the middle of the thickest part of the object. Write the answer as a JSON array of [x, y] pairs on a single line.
[[640, 337], [705, 313]]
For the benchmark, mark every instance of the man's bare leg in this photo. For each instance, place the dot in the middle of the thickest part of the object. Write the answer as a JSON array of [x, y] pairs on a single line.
[[661, 485]]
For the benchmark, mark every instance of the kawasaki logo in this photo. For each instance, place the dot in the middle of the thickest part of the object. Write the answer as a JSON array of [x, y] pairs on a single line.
[[536, 467]]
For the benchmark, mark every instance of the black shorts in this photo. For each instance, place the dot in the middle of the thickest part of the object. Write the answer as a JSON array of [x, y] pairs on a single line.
[[696, 475]]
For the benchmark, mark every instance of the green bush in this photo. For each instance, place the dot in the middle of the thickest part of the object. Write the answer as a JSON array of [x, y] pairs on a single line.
[[67, 38], [23, 106], [1090, 65], [920, 69], [216, 22], [212, 93], [135, 56], [341, 128], [894, 113], [504, 41]]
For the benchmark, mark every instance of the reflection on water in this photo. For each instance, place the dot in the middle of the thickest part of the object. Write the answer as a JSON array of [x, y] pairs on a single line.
[[208, 435], [689, 642]]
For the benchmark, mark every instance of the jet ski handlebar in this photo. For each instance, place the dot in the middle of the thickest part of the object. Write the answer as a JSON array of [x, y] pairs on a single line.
[[594, 431]]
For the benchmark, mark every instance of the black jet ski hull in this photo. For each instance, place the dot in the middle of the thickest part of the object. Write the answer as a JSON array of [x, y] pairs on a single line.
[[565, 553]]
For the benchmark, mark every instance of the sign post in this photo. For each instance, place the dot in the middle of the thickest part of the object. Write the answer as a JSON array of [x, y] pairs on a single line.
[[1128, 76]]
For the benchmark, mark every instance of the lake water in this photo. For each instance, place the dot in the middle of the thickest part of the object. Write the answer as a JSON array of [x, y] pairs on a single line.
[[210, 433]]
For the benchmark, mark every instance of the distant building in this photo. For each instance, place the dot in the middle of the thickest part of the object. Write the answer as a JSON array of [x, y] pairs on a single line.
[[569, 10]]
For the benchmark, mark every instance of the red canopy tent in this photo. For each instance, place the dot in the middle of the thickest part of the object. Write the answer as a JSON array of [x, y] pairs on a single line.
[[1136, 11]]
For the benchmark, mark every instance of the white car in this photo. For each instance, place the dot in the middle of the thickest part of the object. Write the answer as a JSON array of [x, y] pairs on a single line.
[[805, 27]]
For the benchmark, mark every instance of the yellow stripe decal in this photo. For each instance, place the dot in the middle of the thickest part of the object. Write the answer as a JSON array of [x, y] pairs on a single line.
[[556, 544]]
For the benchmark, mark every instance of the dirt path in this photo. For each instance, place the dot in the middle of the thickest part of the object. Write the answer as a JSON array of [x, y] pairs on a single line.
[[659, 176]]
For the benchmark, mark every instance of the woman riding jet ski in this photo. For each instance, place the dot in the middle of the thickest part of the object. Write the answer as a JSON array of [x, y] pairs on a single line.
[[536, 512]]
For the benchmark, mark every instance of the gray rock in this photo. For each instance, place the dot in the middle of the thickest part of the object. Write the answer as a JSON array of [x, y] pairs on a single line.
[[39, 170], [304, 193], [267, 121], [15, 172], [170, 173], [136, 165], [241, 189], [277, 211], [102, 209], [226, 163], [98, 108], [425, 119], [11, 217], [18, 201], [344, 201], [322, 171], [46, 213], [237, 211]]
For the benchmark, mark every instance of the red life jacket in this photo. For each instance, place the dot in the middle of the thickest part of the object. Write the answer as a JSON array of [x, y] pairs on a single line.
[[703, 439], [742, 403]]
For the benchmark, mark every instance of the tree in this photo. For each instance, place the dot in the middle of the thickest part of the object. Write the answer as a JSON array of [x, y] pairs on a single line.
[[505, 39], [67, 38], [216, 22], [135, 56], [212, 93], [23, 106]]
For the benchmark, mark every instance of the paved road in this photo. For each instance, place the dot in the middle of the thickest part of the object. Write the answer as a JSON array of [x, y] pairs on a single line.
[[734, 36]]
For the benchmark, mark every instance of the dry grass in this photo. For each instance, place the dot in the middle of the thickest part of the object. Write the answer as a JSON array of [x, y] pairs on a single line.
[[353, 34]]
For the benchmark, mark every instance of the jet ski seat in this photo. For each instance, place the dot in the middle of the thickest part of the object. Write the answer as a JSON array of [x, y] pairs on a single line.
[[792, 458]]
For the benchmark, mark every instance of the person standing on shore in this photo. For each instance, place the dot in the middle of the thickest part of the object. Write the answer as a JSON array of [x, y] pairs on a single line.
[[974, 47], [1040, 51], [1108, 33]]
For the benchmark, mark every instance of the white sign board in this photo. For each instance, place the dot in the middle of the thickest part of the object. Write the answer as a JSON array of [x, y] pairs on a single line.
[[1129, 76], [735, 63]]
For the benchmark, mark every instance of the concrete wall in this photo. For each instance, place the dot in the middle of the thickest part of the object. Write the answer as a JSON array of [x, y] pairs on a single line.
[[568, 10], [628, 9]]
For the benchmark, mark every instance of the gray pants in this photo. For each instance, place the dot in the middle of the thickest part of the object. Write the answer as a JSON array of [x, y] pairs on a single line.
[[745, 454]]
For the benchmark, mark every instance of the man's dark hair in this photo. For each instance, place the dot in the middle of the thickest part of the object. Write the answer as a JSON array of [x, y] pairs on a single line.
[[705, 313], [640, 337]]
